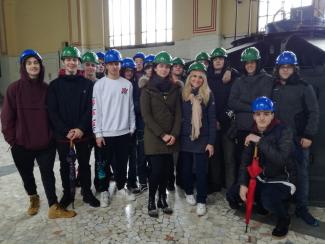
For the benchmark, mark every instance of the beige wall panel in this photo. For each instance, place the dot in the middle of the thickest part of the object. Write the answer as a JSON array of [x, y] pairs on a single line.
[[204, 14], [94, 16], [182, 19], [74, 22]]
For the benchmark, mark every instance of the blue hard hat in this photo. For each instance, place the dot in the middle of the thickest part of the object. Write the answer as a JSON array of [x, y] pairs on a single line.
[[29, 53], [112, 55], [128, 63], [101, 55], [149, 58], [287, 57], [139, 55], [262, 104]]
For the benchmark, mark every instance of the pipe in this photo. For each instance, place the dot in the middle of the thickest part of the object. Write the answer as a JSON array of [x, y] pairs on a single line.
[[236, 20], [249, 18]]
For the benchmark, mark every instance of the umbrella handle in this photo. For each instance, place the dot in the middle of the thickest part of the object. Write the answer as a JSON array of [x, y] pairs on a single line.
[[255, 151]]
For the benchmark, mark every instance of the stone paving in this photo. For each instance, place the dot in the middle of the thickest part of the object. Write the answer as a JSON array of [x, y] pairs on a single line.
[[125, 222]]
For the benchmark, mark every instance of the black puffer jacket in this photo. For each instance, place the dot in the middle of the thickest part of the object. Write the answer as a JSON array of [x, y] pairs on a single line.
[[297, 106], [276, 155], [243, 92], [69, 105], [221, 92]]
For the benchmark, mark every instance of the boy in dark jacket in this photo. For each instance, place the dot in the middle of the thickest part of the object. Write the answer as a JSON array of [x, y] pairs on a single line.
[[274, 144], [69, 105], [220, 79], [297, 107]]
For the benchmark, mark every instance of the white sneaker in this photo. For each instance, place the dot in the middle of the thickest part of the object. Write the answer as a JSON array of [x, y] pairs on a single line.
[[104, 199], [190, 199], [201, 209], [124, 193], [112, 188]]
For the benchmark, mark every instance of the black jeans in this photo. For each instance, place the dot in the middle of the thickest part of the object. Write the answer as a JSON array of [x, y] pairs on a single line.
[[117, 148], [160, 165], [102, 171], [239, 148], [201, 165], [132, 172], [24, 161], [273, 197], [83, 151], [142, 160]]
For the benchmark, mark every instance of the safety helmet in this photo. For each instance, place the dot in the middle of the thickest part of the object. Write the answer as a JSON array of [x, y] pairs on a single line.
[[29, 53], [219, 52], [287, 57], [262, 104], [163, 57], [113, 55], [90, 57], [177, 60], [101, 55], [128, 63], [202, 56], [139, 55], [250, 54], [197, 66], [70, 52]]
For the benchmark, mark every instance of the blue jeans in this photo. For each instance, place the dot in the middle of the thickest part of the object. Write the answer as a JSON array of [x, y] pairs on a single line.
[[201, 165], [302, 165]]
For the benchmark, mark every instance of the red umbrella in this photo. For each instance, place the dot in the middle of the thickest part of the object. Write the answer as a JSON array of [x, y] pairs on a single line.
[[254, 170]]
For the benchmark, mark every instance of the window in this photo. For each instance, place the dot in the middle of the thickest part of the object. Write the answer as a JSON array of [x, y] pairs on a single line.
[[153, 25], [271, 10], [121, 22], [156, 21]]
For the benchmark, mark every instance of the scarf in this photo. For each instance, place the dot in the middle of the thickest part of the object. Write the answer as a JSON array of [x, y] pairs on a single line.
[[196, 122]]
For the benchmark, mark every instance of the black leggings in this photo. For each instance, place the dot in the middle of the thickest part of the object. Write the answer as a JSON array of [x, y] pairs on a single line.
[[159, 175], [24, 161]]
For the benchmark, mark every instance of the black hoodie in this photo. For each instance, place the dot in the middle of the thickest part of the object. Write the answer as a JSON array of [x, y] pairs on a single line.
[[69, 105]]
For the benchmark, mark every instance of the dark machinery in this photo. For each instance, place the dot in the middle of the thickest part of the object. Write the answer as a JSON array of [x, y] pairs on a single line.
[[303, 34]]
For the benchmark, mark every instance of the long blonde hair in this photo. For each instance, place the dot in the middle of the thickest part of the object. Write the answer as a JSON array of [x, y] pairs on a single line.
[[204, 90]]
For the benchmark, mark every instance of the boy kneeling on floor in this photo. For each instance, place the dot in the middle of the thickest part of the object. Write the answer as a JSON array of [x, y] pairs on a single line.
[[275, 185]]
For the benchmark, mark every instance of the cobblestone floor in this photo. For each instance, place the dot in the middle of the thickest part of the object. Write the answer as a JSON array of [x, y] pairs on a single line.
[[124, 222]]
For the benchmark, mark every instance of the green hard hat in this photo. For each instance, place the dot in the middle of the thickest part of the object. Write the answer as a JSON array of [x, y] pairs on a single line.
[[163, 58], [177, 60], [90, 57], [71, 52], [197, 66], [219, 52], [202, 56], [250, 54]]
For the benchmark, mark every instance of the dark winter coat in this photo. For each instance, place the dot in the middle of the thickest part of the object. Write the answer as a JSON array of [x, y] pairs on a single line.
[[296, 106], [276, 155], [207, 131], [24, 116], [243, 92], [161, 113], [69, 105], [221, 92]]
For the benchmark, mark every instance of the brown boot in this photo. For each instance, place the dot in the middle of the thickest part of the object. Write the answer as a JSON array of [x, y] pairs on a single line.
[[34, 204], [56, 211]]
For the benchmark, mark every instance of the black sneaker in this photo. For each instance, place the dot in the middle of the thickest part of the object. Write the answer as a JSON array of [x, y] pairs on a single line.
[[171, 187], [143, 187], [282, 227], [91, 199], [307, 217], [134, 190]]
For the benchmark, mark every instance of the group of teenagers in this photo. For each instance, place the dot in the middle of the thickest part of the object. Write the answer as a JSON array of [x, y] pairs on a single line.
[[147, 114]]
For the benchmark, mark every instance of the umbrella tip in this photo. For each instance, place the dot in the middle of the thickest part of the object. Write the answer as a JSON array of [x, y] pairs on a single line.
[[246, 228]]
